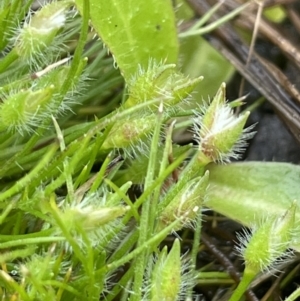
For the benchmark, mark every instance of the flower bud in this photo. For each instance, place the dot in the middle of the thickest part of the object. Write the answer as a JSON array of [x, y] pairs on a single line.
[[269, 242], [40, 30], [90, 218], [187, 202], [160, 82], [24, 110], [264, 247], [166, 275], [127, 132], [220, 132]]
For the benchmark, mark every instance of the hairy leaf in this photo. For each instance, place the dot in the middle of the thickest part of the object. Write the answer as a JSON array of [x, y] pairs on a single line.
[[251, 191]]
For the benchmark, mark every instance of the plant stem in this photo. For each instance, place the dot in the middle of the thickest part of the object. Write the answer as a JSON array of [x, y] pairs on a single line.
[[195, 248], [30, 176], [145, 232], [156, 239], [243, 285], [29, 241], [8, 60], [294, 295], [214, 25], [163, 165]]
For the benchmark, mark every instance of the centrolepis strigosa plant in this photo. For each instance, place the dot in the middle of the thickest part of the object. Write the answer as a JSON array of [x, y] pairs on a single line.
[[70, 228]]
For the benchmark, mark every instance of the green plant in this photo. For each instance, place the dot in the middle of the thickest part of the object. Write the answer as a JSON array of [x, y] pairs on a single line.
[[70, 231]]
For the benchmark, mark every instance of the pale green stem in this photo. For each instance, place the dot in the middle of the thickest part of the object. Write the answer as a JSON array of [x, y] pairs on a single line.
[[254, 105], [73, 72], [133, 238], [158, 188], [60, 180], [98, 178], [64, 286], [39, 234], [30, 176], [8, 60], [207, 16], [163, 164], [197, 165], [124, 197], [160, 180], [6, 211], [18, 253], [215, 24], [293, 296], [30, 241], [128, 242], [243, 285], [155, 240], [195, 248], [140, 261]]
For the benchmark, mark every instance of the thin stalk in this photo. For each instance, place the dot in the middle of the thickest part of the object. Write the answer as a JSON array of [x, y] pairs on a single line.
[[294, 295], [63, 286], [124, 197], [76, 63], [155, 240], [195, 248], [73, 163], [26, 180], [215, 24], [8, 60], [30, 241], [18, 253], [163, 164], [127, 244], [43, 233], [6, 212], [160, 179], [140, 261], [207, 16], [243, 285]]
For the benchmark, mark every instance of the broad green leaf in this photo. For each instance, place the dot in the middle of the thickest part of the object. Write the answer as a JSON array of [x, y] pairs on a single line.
[[135, 31], [251, 191]]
